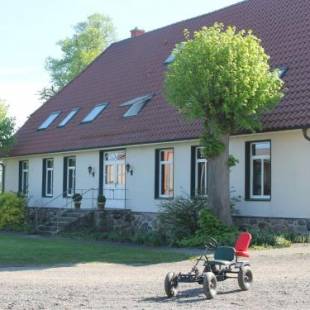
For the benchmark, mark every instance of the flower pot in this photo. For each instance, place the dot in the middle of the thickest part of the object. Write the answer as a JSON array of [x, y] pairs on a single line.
[[101, 205], [77, 205]]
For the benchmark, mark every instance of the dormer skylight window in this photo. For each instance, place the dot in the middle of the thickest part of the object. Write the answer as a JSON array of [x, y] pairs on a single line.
[[171, 58], [68, 117], [49, 120], [282, 71], [94, 113], [136, 105]]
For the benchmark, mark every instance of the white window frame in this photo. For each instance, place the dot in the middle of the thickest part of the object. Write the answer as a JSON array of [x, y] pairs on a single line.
[[25, 171], [262, 158], [162, 163], [73, 168], [51, 171], [197, 161]]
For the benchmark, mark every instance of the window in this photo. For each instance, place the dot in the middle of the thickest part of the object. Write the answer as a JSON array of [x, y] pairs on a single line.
[[258, 170], [164, 174], [1, 178], [49, 120], [199, 173], [170, 59], [69, 176], [136, 105], [48, 177], [94, 113], [282, 71], [24, 177], [68, 118]]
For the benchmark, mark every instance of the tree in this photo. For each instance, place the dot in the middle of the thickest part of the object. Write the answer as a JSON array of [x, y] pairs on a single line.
[[90, 38], [223, 77], [7, 125]]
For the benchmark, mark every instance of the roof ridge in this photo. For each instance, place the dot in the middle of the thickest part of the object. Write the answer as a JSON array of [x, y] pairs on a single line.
[[183, 21]]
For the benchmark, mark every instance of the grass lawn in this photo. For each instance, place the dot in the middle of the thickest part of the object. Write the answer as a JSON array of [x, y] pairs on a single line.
[[23, 250]]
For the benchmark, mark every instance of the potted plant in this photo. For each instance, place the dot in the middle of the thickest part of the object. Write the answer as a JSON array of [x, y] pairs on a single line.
[[101, 201], [77, 198]]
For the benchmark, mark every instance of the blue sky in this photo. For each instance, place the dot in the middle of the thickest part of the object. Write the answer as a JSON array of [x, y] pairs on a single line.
[[29, 30]]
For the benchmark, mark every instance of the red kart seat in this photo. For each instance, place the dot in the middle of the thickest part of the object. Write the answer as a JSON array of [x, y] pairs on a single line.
[[242, 244]]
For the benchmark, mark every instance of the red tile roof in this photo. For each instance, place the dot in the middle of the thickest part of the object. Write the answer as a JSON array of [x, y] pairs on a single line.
[[134, 67]]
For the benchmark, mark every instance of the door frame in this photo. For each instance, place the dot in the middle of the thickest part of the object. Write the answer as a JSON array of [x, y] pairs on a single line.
[[101, 172]]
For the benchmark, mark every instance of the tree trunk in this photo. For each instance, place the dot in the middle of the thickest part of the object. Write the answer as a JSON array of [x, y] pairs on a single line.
[[218, 184]]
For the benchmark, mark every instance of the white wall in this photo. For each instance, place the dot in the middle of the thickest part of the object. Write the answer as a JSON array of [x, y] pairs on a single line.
[[290, 195], [290, 175], [141, 185]]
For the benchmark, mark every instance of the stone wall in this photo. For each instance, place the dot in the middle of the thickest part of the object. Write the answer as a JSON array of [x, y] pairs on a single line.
[[37, 216], [274, 224], [125, 221], [107, 220]]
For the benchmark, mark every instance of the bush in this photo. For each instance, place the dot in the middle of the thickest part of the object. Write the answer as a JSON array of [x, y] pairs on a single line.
[[210, 226], [178, 219], [267, 238], [12, 211]]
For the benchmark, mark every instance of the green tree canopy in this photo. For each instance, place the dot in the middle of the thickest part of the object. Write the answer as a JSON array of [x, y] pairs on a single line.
[[7, 125], [90, 38], [223, 77]]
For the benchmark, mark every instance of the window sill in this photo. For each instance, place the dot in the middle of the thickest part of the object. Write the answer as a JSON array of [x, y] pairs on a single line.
[[164, 198], [258, 199]]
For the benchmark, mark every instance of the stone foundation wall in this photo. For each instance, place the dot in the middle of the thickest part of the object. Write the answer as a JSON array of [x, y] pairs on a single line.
[[102, 220], [274, 224], [41, 215], [125, 221]]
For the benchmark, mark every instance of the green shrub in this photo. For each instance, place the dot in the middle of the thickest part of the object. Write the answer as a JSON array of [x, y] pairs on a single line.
[[178, 219], [267, 238], [210, 226], [12, 211]]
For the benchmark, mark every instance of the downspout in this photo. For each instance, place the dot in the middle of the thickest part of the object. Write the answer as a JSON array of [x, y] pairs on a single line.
[[306, 133], [2, 176]]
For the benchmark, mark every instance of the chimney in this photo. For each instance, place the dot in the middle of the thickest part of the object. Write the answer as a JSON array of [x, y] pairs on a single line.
[[136, 32]]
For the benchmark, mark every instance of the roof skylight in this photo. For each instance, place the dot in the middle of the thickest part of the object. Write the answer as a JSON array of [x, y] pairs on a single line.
[[49, 120], [94, 113], [136, 105], [169, 59], [282, 71], [68, 118]]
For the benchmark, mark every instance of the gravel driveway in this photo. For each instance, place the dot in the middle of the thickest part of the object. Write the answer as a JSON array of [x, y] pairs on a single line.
[[282, 280]]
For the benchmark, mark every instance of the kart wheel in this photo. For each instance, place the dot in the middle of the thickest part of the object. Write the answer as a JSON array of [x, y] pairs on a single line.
[[245, 278], [209, 285], [171, 284]]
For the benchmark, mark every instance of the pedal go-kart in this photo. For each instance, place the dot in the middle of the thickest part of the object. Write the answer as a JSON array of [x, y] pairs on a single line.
[[224, 265]]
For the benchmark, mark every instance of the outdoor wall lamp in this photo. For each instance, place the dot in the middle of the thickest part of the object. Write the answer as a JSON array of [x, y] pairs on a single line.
[[91, 171], [129, 169]]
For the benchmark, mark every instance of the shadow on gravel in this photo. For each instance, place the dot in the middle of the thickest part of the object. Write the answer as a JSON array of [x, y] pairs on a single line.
[[186, 296]]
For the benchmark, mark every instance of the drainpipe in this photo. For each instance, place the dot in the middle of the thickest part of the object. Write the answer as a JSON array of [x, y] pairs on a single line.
[[2, 181], [306, 133]]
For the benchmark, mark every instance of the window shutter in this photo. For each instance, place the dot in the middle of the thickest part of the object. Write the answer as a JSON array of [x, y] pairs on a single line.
[[65, 185], [193, 170], [156, 190], [43, 177], [247, 170], [101, 173], [20, 171]]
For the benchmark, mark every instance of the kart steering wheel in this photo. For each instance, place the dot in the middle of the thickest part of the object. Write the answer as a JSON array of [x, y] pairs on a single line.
[[211, 243]]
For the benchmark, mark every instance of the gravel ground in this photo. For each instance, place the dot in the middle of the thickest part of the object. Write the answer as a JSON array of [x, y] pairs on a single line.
[[282, 280]]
